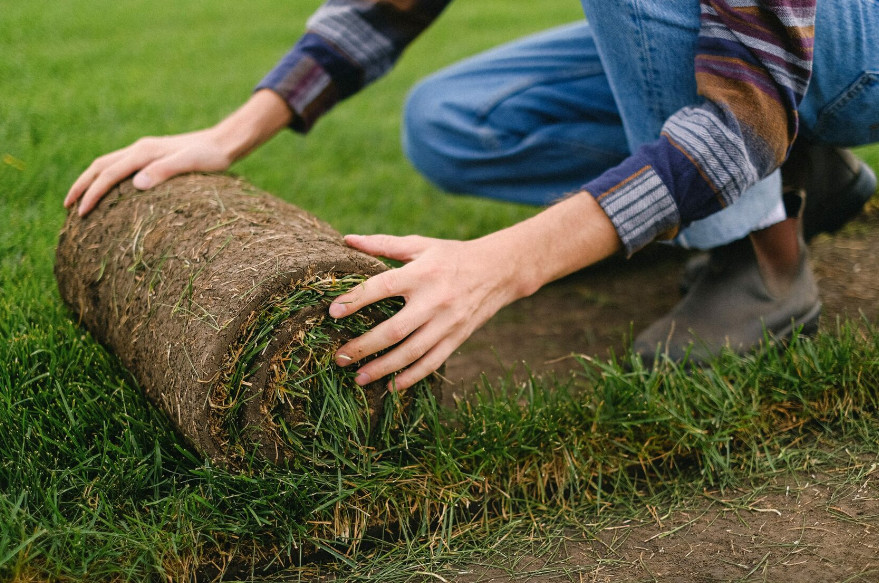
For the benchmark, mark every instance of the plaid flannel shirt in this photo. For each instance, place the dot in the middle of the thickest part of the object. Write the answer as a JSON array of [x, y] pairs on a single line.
[[753, 64]]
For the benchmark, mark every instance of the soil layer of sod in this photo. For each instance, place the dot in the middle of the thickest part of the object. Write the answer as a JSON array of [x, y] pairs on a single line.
[[214, 295]]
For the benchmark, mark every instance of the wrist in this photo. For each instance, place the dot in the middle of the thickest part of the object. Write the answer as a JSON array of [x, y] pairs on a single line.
[[564, 238], [251, 125], [512, 262]]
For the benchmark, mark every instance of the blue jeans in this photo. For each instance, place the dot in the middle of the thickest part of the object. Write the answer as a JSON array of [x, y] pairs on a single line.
[[536, 119]]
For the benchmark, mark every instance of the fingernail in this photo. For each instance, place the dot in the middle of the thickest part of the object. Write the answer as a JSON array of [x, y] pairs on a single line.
[[337, 310], [362, 379], [142, 181], [343, 359]]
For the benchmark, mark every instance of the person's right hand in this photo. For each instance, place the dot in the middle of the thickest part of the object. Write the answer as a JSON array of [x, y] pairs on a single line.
[[154, 160]]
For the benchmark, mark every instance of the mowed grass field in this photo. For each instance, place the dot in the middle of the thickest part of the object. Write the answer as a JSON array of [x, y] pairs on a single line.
[[94, 486]]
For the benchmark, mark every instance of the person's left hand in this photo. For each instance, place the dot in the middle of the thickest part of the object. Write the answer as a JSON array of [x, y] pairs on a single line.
[[450, 289]]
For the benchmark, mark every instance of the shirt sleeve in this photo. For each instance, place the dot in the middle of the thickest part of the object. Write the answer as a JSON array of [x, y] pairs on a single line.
[[348, 44], [753, 64]]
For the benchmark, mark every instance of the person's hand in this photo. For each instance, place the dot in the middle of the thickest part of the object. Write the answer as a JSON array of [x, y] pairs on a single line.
[[155, 160], [450, 289]]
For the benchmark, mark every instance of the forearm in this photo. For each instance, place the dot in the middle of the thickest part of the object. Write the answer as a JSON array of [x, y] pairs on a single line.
[[564, 238], [252, 124], [348, 44]]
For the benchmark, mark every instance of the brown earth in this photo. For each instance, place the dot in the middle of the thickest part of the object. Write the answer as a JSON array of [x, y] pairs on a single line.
[[804, 528]]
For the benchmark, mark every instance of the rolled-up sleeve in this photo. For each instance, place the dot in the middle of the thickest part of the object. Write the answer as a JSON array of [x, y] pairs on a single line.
[[753, 64], [348, 44]]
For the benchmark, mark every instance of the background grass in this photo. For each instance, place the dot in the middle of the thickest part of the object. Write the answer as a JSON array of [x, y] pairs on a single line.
[[95, 486]]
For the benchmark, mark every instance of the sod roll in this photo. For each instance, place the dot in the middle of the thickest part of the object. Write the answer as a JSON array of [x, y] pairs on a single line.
[[214, 295]]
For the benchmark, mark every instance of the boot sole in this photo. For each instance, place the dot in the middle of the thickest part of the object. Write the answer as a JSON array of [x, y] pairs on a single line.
[[806, 325]]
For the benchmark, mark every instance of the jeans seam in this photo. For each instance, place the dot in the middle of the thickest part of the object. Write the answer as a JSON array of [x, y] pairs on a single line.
[[587, 148], [489, 142], [646, 69], [826, 117], [865, 79], [483, 112]]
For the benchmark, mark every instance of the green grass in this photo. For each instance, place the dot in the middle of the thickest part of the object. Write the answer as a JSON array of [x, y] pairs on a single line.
[[95, 486]]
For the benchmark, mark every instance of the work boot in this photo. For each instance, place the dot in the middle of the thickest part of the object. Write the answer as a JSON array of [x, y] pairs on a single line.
[[730, 305], [836, 183]]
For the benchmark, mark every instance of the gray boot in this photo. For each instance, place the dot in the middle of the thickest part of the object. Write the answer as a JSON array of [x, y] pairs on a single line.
[[730, 305], [836, 183]]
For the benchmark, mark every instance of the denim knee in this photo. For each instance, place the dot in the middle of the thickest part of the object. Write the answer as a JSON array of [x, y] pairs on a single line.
[[430, 140]]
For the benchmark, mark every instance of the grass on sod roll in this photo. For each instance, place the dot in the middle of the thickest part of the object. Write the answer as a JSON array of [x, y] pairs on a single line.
[[327, 423], [94, 484]]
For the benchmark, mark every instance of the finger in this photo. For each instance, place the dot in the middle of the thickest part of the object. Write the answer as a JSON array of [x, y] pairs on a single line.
[[98, 188], [409, 351], [162, 169], [118, 166], [79, 187], [399, 248], [385, 335], [423, 367], [378, 287], [109, 178], [88, 176]]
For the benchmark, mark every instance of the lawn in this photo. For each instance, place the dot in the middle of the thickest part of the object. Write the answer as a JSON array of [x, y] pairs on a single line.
[[94, 486]]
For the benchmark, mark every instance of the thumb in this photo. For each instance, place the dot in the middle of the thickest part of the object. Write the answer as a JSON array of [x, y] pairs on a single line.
[[142, 180], [403, 249]]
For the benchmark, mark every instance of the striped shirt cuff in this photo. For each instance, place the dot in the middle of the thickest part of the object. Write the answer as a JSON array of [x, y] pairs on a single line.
[[638, 204], [306, 87]]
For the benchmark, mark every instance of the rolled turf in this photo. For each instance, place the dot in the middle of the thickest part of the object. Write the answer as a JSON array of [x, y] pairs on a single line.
[[214, 295]]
